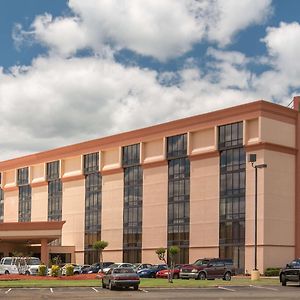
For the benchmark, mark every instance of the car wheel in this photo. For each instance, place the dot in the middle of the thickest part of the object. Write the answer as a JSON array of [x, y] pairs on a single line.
[[201, 276], [227, 276], [27, 273], [6, 272], [110, 286], [136, 287], [175, 276], [283, 279], [76, 273], [153, 275]]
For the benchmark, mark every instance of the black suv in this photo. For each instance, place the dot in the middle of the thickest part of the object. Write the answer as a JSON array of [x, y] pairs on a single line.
[[291, 272], [208, 268]]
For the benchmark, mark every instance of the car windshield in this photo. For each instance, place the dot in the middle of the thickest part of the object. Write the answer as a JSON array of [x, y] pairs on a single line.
[[33, 261], [113, 266], [201, 262], [123, 270]]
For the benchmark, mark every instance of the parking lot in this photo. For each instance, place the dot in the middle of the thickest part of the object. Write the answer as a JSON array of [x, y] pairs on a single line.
[[218, 292]]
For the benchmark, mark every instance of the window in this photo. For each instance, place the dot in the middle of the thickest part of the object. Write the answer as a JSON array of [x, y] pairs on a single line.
[[54, 195], [23, 176], [93, 196], [24, 195], [232, 193], [178, 196], [131, 155], [177, 146], [133, 203], [53, 170], [1, 206], [91, 163]]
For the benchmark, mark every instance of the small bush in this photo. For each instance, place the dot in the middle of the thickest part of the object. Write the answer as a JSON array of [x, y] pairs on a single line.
[[55, 271], [42, 270], [272, 271], [69, 270]]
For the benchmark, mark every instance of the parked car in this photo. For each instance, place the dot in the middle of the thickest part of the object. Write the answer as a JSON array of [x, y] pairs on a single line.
[[84, 268], [76, 271], [94, 268], [151, 272], [138, 267], [121, 277], [291, 272], [208, 269], [118, 265], [165, 273]]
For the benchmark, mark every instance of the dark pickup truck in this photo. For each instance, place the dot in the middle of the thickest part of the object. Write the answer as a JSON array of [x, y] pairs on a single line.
[[291, 272], [208, 268]]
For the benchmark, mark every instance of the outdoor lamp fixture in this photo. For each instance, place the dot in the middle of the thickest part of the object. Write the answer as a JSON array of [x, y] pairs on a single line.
[[252, 160]]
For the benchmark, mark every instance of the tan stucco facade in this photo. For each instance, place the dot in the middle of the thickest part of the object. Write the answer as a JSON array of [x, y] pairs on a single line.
[[270, 131]]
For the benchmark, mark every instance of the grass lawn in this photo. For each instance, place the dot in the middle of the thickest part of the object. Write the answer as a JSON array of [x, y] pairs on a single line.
[[145, 283]]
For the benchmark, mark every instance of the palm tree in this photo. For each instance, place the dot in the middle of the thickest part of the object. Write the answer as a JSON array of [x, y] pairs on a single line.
[[173, 251], [100, 246]]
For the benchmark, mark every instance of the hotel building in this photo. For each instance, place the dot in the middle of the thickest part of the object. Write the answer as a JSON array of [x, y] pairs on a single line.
[[187, 183]]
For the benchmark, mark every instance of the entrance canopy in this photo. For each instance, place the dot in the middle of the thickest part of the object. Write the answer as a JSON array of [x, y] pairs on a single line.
[[30, 232]]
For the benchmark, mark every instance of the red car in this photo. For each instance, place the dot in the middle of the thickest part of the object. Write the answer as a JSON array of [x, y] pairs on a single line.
[[165, 273]]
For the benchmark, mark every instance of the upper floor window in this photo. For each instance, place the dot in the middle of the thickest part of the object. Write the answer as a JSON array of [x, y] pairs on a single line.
[[23, 176], [53, 170], [91, 163], [177, 146], [131, 155], [231, 135]]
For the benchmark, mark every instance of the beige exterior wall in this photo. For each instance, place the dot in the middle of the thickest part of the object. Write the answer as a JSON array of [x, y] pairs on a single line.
[[110, 159], [73, 214], [11, 206], [71, 166], [155, 204], [39, 203], [9, 179], [204, 208], [153, 151], [202, 141], [112, 216], [37, 173], [277, 132], [276, 210], [252, 134]]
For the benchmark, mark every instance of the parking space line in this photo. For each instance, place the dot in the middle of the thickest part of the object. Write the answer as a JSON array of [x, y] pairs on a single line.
[[51, 290], [95, 290], [7, 291], [265, 288], [226, 289], [145, 291]]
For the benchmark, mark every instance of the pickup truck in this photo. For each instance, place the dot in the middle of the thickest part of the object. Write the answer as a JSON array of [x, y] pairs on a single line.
[[291, 272]]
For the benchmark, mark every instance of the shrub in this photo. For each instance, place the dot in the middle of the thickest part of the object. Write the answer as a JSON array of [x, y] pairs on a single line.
[[69, 270], [272, 271], [55, 271], [42, 270]]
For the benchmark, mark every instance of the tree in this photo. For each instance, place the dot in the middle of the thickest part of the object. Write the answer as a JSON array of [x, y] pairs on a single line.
[[173, 251], [100, 246]]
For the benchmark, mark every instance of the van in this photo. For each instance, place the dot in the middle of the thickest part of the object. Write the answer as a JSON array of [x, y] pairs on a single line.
[[8, 265], [19, 265]]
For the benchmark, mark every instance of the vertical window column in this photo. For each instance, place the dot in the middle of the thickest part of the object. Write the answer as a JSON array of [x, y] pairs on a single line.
[[93, 193], [24, 195], [54, 195], [178, 196], [133, 204], [232, 193], [1, 202]]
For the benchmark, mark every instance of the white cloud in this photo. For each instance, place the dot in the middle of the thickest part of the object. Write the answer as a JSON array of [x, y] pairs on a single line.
[[161, 29]]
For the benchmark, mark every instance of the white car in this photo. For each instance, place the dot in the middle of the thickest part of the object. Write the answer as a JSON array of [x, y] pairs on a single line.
[[76, 271], [118, 265], [19, 265]]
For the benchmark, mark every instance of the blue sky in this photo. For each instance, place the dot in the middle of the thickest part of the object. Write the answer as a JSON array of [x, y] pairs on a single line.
[[77, 70]]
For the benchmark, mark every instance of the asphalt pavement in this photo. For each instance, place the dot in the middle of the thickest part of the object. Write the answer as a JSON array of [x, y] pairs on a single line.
[[218, 292]]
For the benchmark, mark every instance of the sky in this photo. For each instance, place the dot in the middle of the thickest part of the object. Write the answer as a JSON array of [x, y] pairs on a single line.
[[75, 70]]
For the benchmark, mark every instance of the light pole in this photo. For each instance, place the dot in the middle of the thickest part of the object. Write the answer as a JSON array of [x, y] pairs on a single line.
[[252, 159]]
